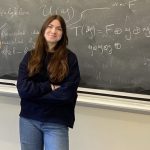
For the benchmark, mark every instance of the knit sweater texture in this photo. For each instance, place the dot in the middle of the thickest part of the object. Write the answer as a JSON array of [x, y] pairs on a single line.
[[39, 102]]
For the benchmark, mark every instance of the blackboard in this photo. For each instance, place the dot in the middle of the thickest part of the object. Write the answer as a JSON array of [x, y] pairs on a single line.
[[110, 37]]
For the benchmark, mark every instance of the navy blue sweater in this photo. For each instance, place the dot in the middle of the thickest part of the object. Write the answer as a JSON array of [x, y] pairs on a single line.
[[39, 102]]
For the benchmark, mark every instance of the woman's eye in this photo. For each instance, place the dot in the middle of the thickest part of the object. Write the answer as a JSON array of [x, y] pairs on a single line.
[[59, 29], [50, 27]]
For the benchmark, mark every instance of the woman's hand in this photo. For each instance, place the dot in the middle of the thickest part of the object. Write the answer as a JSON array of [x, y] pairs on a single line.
[[54, 87]]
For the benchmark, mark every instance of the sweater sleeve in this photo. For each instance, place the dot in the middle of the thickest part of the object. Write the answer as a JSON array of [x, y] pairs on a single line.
[[28, 88], [67, 92]]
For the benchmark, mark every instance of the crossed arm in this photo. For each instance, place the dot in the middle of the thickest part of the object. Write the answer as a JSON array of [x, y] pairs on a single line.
[[44, 90]]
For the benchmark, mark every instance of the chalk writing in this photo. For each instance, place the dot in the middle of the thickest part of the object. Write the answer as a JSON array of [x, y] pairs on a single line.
[[104, 49], [110, 29], [13, 41], [6, 51], [67, 13], [86, 11], [147, 62], [90, 31], [12, 12], [10, 51], [130, 4]]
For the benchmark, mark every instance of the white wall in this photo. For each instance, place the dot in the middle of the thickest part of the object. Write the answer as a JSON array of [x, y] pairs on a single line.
[[103, 129], [98, 126], [9, 109]]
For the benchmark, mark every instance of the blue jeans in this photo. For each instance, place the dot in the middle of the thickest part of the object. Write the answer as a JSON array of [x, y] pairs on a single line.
[[35, 135]]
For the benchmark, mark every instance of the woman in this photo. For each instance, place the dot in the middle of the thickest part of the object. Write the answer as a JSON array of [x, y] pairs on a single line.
[[47, 83]]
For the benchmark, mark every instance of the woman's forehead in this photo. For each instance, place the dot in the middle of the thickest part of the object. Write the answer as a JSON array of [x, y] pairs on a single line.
[[55, 23]]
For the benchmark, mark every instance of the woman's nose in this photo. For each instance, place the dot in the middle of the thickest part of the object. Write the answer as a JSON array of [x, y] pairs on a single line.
[[53, 30]]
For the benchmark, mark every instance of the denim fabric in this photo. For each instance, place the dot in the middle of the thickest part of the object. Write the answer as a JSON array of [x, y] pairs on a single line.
[[35, 135]]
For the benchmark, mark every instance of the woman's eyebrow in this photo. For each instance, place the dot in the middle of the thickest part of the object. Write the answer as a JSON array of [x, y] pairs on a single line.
[[51, 25]]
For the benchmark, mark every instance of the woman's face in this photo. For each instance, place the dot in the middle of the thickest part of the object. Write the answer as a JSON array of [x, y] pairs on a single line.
[[53, 32]]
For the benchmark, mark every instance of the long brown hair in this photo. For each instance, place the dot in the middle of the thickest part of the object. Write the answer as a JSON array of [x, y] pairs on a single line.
[[58, 65]]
